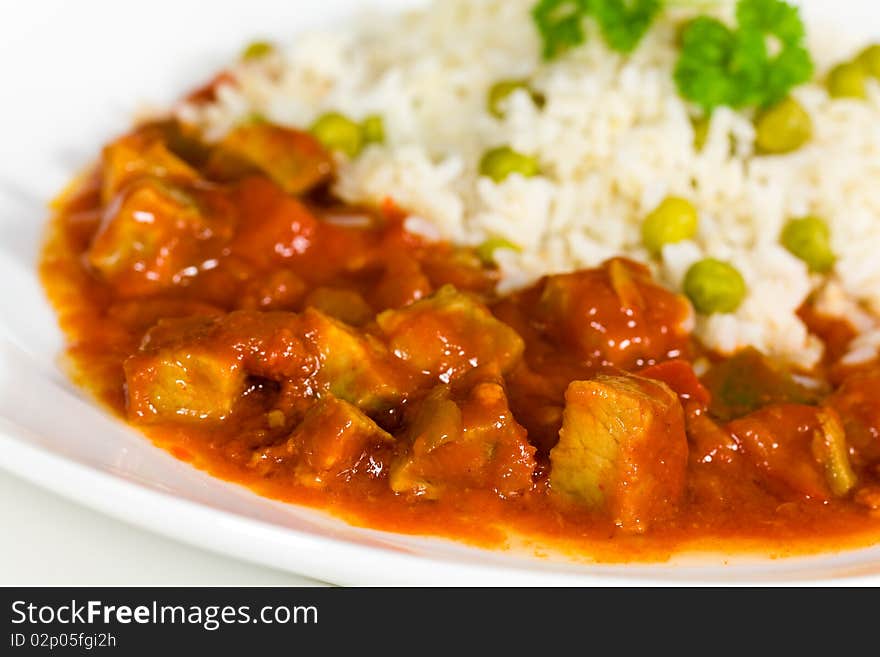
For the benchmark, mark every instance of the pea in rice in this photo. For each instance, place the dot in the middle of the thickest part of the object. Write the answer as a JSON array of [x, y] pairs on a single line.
[[612, 139]]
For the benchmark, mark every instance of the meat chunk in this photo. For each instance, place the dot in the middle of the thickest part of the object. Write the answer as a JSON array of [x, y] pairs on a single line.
[[622, 449], [355, 366], [274, 227], [615, 315], [141, 154], [474, 444], [801, 450], [343, 304], [448, 334], [294, 160], [154, 236], [334, 441], [184, 381]]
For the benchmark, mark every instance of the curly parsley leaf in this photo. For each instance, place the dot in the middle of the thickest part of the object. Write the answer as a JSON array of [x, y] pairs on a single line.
[[754, 65], [561, 24], [778, 27], [625, 22]]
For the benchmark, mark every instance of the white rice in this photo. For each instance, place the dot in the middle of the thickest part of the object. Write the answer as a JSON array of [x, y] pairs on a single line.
[[614, 138]]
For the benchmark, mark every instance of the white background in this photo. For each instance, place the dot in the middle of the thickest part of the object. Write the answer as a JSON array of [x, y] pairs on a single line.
[[48, 540]]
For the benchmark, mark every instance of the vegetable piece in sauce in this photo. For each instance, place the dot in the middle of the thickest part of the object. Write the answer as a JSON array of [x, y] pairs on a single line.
[[622, 449], [714, 286], [474, 444], [809, 239], [615, 315], [679, 375], [847, 80], [153, 234], [831, 449], [501, 162], [183, 381], [339, 133], [333, 441], [294, 160], [354, 366], [782, 128], [141, 154], [801, 449], [674, 220], [858, 403], [448, 334], [749, 380]]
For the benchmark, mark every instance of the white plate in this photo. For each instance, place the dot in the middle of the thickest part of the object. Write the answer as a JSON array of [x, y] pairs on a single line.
[[73, 74]]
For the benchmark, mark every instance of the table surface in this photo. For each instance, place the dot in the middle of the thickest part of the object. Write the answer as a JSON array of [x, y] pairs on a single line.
[[47, 540]]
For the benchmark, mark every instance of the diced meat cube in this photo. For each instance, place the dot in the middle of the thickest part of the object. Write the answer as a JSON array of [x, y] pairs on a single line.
[[294, 160], [800, 449], [402, 283], [616, 315], [622, 449], [141, 154], [448, 334], [154, 236], [355, 366], [274, 227], [472, 445], [343, 304], [280, 289], [334, 441], [183, 384]]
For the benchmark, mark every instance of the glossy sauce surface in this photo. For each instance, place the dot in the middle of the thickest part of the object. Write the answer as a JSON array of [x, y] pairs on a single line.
[[224, 303]]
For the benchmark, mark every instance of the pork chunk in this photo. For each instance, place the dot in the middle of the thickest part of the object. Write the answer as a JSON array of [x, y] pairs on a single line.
[[449, 334], [183, 384], [355, 366], [622, 449], [333, 441], [472, 444]]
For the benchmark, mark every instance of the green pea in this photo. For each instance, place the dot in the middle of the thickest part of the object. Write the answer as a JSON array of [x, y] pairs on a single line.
[[809, 239], [339, 133], [783, 128], [374, 129], [674, 220], [257, 50], [486, 250], [503, 161], [870, 60], [500, 91], [714, 286], [847, 80]]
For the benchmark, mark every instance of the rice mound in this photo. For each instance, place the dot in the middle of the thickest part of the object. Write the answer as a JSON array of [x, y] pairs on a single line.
[[613, 138]]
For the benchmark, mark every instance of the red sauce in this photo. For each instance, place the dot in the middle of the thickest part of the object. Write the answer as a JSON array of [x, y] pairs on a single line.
[[226, 305]]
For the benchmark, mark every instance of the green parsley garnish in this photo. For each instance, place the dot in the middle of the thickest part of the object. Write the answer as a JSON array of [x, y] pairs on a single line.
[[623, 23], [756, 64]]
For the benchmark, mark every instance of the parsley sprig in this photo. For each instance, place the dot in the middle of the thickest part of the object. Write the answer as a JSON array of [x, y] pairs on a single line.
[[623, 23], [755, 65]]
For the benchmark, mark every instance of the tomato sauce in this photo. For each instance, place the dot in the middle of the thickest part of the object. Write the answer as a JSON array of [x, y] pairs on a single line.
[[225, 304]]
